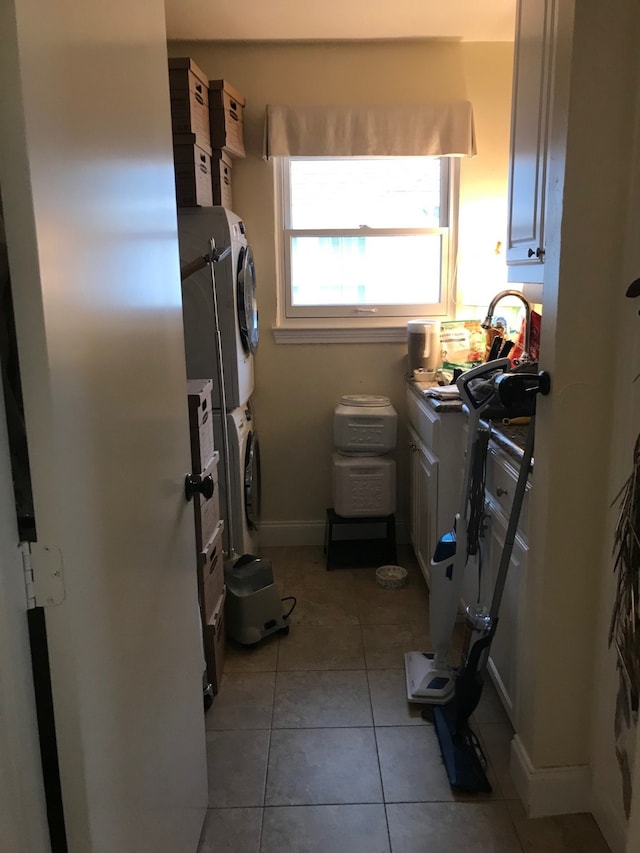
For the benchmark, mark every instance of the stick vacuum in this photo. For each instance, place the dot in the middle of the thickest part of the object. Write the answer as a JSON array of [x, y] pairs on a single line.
[[429, 676], [461, 752]]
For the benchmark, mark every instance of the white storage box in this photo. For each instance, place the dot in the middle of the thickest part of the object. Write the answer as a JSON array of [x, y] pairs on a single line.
[[364, 425], [211, 572], [207, 510], [214, 644], [200, 423], [363, 486]]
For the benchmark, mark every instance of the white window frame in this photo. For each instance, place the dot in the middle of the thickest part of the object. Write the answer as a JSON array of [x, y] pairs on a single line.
[[359, 323]]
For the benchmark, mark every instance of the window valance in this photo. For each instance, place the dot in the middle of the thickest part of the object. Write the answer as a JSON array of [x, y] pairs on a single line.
[[397, 130]]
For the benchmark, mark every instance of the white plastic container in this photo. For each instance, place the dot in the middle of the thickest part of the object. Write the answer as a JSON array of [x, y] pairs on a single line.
[[364, 425], [423, 345], [363, 486]]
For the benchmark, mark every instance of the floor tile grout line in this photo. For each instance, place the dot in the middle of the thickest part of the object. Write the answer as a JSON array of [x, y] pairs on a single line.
[[375, 738], [266, 773], [264, 792], [310, 727]]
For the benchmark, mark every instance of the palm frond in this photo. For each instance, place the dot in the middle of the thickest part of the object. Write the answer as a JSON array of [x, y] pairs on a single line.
[[624, 628]]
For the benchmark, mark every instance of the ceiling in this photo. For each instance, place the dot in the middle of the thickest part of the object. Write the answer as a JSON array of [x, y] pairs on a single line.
[[302, 20]]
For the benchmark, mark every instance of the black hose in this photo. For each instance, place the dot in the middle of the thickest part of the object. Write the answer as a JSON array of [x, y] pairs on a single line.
[[477, 483]]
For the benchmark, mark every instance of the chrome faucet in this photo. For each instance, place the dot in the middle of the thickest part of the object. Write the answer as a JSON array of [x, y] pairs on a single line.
[[486, 323]]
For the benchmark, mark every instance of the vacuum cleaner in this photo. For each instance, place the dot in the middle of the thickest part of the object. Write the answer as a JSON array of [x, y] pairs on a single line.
[[253, 607], [510, 395], [430, 678]]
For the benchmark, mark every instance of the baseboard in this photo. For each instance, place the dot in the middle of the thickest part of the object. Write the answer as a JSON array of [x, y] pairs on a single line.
[[297, 533], [612, 826], [549, 790], [291, 533]]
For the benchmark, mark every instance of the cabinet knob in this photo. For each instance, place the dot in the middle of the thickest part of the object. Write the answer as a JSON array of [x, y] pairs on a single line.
[[500, 492], [539, 252], [194, 483]]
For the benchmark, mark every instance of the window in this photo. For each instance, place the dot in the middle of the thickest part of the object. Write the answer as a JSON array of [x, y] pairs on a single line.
[[365, 242]]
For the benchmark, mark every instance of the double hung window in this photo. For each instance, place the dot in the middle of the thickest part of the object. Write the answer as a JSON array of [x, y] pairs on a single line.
[[365, 241]]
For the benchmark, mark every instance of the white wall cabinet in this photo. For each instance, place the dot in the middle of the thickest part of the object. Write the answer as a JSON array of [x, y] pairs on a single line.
[[435, 444], [530, 126]]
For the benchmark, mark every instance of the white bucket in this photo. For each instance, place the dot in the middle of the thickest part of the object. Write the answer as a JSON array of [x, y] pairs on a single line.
[[364, 425], [363, 486]]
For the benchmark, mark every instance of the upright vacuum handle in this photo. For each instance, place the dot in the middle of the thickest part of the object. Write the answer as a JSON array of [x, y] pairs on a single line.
[[482, 376]]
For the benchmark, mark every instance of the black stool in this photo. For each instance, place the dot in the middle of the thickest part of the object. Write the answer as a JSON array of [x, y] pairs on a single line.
[[371, 551]]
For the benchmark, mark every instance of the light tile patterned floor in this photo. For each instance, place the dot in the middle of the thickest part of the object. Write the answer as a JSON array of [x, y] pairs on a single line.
[[313, 747]]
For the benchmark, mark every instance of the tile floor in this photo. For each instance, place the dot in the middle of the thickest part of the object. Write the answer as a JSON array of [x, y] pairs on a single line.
[[313, 748]]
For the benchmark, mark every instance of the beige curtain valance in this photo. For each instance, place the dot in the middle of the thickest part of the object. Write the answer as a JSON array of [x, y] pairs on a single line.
[[398, 130]]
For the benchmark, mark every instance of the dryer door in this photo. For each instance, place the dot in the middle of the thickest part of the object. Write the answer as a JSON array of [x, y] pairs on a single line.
[[252, 481], [247, 302]]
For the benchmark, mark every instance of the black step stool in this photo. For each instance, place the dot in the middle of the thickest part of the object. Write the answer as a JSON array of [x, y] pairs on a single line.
[[371, 551]]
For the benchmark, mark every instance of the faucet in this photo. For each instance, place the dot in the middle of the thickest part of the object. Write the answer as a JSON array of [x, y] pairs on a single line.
[[486, 323]]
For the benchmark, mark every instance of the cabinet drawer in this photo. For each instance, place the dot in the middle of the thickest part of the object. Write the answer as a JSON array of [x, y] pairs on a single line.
[[501, 481], [425, 422]]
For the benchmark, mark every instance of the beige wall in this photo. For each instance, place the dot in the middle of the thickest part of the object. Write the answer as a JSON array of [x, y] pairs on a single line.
[[587, 425], [298, 386]]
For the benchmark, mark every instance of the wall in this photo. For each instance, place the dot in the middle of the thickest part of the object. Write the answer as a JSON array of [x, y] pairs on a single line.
[[585, 427], [86, 170], [610, 799], [298, 386]]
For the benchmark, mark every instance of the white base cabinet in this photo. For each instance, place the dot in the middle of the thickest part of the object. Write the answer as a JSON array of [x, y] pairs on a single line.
[[423, 468], [435, 445], [505, 648], [501, 479]]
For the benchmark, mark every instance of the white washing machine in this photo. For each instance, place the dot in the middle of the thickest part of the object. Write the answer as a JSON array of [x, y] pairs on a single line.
[[236, 296], [244, 470]]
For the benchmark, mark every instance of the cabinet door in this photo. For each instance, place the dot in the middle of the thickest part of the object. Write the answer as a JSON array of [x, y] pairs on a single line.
[[423, 475], [427, 495], [529, 129], [504, 653], [413, 490]]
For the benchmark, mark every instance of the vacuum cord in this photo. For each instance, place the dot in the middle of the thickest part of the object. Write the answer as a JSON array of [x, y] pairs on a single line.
[[292, 608], [476, 497]]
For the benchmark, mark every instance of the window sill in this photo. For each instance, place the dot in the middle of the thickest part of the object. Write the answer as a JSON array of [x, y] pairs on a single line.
[[335, 335]]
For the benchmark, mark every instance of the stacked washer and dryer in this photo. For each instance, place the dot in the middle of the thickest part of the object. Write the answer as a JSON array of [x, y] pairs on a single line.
[[235, 292]]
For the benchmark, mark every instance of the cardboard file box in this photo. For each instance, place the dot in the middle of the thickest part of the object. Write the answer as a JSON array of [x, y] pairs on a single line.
[[207, 510], [192, 165], [211, 573], [221, 178], [226, 117], [189, 93], [214, 640], [200, 423]]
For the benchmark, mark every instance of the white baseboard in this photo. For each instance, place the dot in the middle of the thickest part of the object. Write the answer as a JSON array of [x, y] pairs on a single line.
[[296, 533], [549, 790], [291, 533], [612, 825]]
